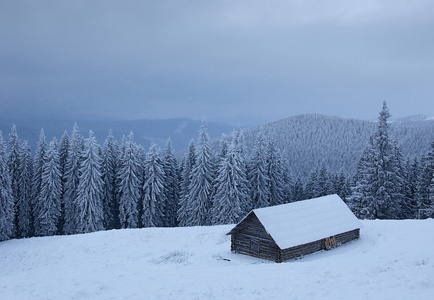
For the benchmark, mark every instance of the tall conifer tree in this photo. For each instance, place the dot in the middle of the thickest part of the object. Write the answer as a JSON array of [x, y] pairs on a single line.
[[13, 160], [38, 165], [89, 201], [184, 202], [24, 208], [48, 203], [154, 197], [72, 179], [202, 177], [6, 199], [171, 186], [258, 175], [110, 159], [377, 192], [129, 184], [231, 196]]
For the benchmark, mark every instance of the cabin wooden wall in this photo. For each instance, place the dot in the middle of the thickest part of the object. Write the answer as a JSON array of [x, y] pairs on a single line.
[[308, 248], [251, 238]]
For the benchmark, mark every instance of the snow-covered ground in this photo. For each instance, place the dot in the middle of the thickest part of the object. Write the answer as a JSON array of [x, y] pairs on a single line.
[[391, 260]]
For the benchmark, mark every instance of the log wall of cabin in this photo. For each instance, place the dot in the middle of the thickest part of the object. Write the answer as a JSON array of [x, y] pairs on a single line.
[[312, 247], [251, 238]]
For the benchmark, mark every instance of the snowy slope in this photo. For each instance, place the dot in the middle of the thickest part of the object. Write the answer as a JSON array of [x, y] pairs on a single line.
[[392, 260]]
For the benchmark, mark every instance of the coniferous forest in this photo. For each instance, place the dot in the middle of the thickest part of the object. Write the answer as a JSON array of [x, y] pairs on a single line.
[[76, 185]]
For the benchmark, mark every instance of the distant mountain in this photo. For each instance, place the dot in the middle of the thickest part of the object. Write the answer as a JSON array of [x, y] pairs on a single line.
[[180, 131], [308, 140]]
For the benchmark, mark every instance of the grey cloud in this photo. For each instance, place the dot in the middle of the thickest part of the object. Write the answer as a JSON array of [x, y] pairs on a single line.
[[238, 61]]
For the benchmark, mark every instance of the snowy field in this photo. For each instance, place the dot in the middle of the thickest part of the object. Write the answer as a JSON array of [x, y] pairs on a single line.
[[392, 260]]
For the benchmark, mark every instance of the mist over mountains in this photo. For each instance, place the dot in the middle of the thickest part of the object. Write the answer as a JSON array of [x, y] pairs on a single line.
[[181, 130], [306, 140]]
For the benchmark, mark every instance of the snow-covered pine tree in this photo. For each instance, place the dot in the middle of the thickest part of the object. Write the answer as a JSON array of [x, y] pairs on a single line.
[[171, 186], [38, 166], [231, 194], [153, 189], [275, 171], [202, 176], [324, 183], [258, 175], [129, 184], [341, 186], [427, 173], [218, 160], [378, 187], [6, 199], [239, 147], [360, 189], [431, 193], [311, 189], [184, 200], [412, 175], [48, 203], [63, 156], [110, 159], [298, 191], [13, 162], [24, 208], [72, 178], [89, 201], [287, 181]]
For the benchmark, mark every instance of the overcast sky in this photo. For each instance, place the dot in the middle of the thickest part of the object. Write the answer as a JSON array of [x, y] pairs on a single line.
[[242, 62]]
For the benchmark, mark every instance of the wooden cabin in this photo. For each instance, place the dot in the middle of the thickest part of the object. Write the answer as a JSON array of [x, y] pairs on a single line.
[[291, 230]]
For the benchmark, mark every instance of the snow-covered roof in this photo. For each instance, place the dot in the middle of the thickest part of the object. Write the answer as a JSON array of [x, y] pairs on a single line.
[[306, 221]]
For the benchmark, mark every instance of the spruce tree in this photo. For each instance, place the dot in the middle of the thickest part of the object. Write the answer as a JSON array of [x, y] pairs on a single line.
[[378, 190], [13, 162], [240, 157], [153, 190], [24, 208], [425, 180], [6, 199], [72, 179], [184, 200], [324, 183], [298, 191], [171, 186], [38, 166], [231, 193], [199, 202], [311, 189], [110, 159], [275, 184], [129, 184], [48, 203], [89, 201], [287, 181], [63, 157], [412, 175]]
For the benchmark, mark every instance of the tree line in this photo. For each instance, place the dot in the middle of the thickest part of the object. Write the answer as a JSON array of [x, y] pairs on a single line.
[[78, 186]]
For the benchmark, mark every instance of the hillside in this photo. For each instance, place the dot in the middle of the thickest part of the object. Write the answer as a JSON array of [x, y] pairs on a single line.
[[308, 140], [391, 260]]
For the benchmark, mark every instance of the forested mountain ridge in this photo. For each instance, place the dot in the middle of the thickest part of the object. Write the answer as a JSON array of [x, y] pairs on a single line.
[[305, 140], [309, 140]]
